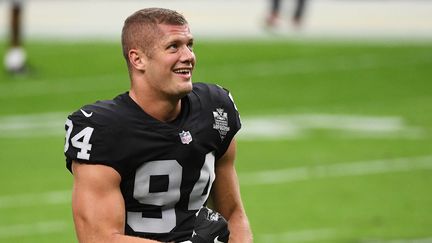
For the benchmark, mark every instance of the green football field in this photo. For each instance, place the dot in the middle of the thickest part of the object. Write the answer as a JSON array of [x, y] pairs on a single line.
[[336, 144]]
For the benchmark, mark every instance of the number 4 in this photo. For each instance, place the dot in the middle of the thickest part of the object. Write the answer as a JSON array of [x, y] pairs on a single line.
[[84, 135]]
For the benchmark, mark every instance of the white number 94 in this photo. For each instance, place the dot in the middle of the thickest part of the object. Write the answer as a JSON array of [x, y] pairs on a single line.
[[81, 140]]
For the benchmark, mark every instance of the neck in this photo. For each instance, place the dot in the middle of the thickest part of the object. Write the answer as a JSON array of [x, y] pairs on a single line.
[[164, 110]]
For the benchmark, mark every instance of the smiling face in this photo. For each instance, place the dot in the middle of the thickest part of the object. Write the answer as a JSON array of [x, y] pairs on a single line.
[[169, 66]]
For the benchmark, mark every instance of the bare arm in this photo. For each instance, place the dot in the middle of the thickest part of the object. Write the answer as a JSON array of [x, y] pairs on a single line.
[[227, 199], [98, 205]]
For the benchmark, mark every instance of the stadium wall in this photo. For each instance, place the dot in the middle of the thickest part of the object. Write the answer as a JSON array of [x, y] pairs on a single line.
[[227, 18]]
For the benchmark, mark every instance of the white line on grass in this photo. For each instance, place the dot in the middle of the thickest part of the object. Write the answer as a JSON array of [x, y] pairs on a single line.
[[335, 170], [418, 240], [60, 86], [275, 67], [313, 235], [34, 199], [38, 228], [276, 127], [300, 125], [334, 64], [325, 234], [257, 178], [31, 125]]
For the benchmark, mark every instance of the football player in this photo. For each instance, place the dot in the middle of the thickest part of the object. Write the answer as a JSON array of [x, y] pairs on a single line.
[[145, 163]]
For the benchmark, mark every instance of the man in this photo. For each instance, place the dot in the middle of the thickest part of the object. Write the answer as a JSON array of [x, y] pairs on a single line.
[[145, 162]]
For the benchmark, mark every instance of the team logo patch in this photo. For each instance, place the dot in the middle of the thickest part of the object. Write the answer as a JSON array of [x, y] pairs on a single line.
[[185, 137], [221, 122]]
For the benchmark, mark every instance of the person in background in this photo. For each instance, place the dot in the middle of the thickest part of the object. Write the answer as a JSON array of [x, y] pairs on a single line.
[[273, 17], [15, 57], [146, 163]]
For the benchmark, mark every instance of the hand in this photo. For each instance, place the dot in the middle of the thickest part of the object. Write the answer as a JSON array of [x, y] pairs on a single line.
[[210, 227]]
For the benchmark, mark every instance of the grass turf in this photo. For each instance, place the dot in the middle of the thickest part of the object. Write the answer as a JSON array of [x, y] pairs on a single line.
[[266, 78]]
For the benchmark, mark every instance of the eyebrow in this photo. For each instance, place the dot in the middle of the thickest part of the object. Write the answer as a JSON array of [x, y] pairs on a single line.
[[176, 39]]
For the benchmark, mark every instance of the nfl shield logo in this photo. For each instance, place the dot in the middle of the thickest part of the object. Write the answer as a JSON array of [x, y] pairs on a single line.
[[185, 137]]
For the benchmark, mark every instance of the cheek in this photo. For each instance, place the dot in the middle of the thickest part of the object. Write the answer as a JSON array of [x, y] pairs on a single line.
[[161, 67], [168, 63]]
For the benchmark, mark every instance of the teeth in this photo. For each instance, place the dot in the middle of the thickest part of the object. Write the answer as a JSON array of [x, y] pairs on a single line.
[[183, 71]]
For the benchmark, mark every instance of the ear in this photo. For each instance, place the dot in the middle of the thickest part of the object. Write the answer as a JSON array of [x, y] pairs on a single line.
[[137, 59]]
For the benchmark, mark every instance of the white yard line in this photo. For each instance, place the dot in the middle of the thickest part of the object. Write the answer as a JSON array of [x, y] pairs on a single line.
[[35, 199], [277, 127], [338, 63], [60, 86], [325, 234], [38, 228], [32, 125], [272, 177], [418, 240], [311, 235], [295, 126]]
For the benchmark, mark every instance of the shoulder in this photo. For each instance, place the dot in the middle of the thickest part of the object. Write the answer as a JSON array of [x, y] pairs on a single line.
[[94, 131], [101, 113], [208, 88], [213, 93], [218, 106], [95, 127]]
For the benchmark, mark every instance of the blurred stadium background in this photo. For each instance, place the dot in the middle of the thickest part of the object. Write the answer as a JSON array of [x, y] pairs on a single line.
[[228, 18], [337, 116]]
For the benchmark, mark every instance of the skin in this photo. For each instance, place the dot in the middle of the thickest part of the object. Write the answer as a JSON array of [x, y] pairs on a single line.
[[157, 87], [226, 197]]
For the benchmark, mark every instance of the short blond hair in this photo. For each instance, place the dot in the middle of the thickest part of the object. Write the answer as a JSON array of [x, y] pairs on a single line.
[[140, 29]]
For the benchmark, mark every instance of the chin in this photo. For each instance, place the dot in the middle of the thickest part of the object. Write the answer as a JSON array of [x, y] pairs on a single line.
[[184, 89], [187, 86]]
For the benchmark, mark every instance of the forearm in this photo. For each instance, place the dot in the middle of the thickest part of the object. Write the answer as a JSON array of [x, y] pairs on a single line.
[[117, 239], [227, 199], [238, 224], [130, 239], [92, 233]]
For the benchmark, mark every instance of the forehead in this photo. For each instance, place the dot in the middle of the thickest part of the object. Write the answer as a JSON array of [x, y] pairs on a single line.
[[170, 32]]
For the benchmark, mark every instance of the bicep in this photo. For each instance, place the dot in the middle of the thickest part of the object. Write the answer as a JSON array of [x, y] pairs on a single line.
[[97, 202]]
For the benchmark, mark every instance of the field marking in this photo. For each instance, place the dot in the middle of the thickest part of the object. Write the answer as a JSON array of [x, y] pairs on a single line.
[[299, 236], [60, 86], [366, 61], [272, 177], [278, 127], [300, 125], [325, 234], [32, 125], [38, 228], [418, 240], [35, 199], [369, 61]]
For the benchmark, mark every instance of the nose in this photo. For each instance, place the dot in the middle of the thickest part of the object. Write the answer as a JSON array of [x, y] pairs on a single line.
[[187, 55]]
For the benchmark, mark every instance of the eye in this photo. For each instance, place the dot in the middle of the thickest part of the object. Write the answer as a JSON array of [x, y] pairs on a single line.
[[190, 46], [172, 46]]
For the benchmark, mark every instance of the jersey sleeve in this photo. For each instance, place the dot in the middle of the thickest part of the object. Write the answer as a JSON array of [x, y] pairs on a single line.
[[91, 138], [224, 100]]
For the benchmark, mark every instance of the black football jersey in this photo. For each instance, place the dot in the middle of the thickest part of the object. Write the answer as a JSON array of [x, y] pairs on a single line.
[[167, 169]]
